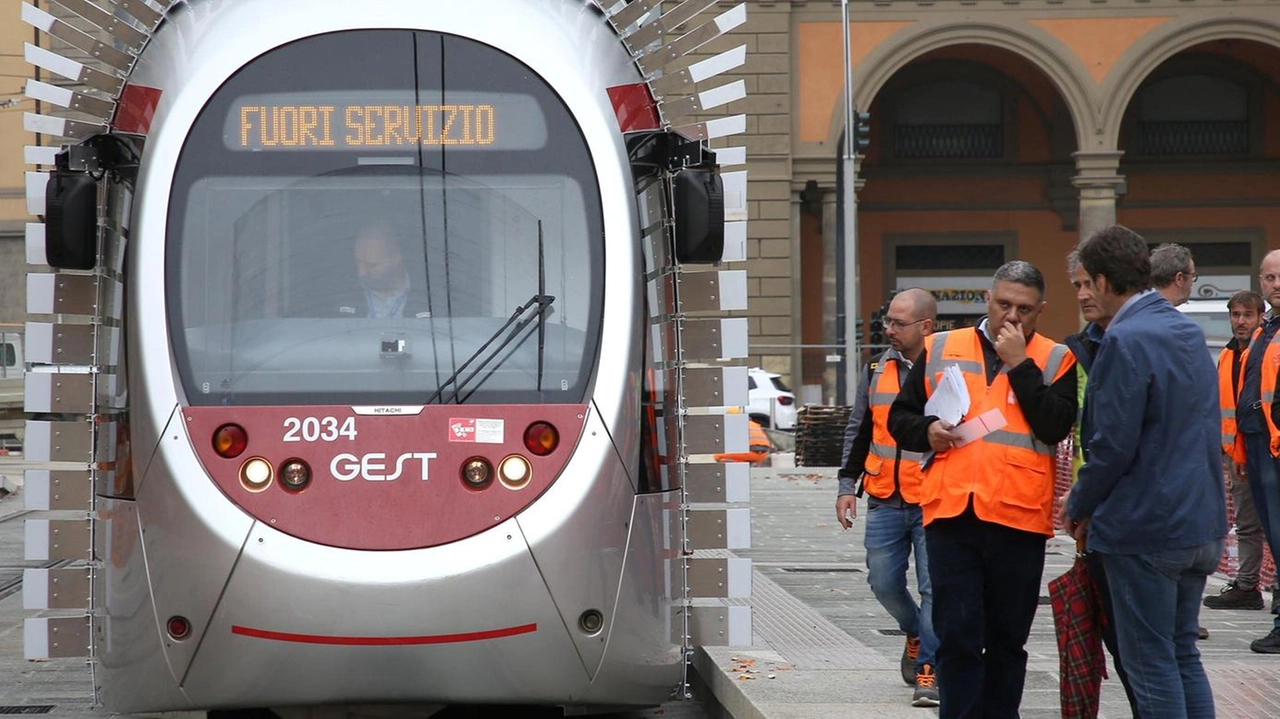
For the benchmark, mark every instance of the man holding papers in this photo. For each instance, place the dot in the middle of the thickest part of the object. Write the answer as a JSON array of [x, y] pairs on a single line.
[[987, 493], [1149, 495]]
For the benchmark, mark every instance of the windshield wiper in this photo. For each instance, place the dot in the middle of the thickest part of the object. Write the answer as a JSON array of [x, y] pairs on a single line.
[[542, 316], [541, 301]]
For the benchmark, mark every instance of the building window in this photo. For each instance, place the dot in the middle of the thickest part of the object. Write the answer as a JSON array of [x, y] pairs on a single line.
[[1193, 115], [910, 258], [948, 119]]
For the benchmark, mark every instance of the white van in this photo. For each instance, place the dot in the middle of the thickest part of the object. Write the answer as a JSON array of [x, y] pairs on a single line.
[[1214, 318], [11, 394]]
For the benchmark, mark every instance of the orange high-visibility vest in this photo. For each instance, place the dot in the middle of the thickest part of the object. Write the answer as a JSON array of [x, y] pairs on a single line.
[[758, 447], [883, 461], [1238, 453], [1009, 473], [1270, 366], [1227, 400]]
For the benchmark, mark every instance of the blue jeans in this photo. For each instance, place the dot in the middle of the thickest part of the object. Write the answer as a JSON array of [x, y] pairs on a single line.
[[1156, 600], [1265, 487], [891, 535]]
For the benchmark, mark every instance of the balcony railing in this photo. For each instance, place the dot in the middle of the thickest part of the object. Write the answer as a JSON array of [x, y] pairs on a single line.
[[919, 142], [1214, 137]]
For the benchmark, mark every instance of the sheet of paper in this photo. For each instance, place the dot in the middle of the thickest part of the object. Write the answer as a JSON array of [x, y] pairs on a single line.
[[979, 427], [950, 399]]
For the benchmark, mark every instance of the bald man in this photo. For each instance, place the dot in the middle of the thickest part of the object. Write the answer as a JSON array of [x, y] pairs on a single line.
[[1256, 424], [874, 464]]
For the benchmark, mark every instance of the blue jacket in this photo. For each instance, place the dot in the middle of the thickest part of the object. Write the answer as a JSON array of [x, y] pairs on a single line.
[[1152, 477]]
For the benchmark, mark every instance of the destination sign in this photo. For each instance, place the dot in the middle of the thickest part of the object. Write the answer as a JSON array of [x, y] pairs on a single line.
[[379, 121]]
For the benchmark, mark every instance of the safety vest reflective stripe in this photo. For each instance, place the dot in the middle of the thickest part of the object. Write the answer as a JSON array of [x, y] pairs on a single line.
[[1007, 476], [881, 398], [1014, 439], [1054, 363], [889, 451], [935, 363]]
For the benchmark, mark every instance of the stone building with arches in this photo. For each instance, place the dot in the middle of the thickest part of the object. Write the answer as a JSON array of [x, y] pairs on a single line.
[[1001, 129]]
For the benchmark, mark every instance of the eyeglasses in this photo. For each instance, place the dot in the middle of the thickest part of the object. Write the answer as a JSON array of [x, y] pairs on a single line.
[[891, 323], [1193, 275]]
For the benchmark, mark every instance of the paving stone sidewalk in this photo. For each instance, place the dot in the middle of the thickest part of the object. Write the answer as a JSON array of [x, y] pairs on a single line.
[[824, 647]]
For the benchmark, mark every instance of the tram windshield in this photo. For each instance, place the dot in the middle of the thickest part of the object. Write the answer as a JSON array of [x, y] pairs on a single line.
[[384, 217]]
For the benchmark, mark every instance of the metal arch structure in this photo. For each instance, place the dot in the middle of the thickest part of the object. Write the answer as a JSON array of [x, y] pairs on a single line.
[[687, 373], [83, 75]]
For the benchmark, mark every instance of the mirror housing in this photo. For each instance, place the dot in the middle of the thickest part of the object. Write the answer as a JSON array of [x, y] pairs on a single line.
[[71, 219], [698, 201]]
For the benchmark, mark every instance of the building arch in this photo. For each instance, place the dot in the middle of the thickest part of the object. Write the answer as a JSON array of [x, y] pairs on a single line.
[[872, 74], [1165, 43]]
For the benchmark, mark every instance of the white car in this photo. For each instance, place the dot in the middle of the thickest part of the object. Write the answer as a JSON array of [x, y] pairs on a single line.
[[1214, 318], [771, 402]]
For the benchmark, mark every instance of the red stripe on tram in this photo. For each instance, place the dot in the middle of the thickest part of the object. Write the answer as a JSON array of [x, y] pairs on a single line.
[[384, 641]]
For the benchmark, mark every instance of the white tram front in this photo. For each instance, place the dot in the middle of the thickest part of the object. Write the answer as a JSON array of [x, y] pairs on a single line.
[[384, 348]]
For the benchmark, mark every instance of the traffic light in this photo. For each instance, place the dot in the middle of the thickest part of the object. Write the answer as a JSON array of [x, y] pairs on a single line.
[[861, 130], [877, 329]]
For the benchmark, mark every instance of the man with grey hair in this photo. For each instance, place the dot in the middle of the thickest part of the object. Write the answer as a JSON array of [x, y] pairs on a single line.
[[1149, 496], [1173, 272], [987, 495]]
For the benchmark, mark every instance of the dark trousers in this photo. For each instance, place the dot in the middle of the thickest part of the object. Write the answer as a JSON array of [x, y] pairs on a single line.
[[1264, 481], [1099, 574], [986, 586]]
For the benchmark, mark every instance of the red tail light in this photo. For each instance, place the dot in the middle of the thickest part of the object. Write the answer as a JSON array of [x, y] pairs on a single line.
[[541, 438], [786, 401], [230, 440]]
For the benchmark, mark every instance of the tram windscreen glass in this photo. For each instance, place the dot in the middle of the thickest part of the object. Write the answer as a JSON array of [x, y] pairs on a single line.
[[445, 245]]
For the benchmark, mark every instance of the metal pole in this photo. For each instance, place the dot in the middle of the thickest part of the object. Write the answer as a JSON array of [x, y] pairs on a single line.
[[850, 268]]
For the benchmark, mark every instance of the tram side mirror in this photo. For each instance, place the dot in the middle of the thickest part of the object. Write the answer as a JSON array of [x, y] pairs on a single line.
[[699, 216], [71, 221]]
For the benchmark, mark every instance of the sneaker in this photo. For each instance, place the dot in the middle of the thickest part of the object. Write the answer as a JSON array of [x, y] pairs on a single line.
[[908, 664], [926, 694], [1233, 597], [1202, 634], [1269, 644]]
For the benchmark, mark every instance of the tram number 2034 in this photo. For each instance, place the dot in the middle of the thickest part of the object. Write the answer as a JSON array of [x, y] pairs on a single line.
[[318, 429]]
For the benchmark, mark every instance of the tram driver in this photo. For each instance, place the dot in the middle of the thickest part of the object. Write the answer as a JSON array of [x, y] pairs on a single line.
[[386, 290]]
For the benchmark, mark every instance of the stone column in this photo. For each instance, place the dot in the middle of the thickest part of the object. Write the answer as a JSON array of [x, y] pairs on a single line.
[[1099, 181], [830, 230]]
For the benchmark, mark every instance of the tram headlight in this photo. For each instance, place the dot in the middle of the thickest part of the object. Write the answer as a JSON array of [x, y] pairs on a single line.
[[230, 441], [295, 475], [541, 438], [256, 474], [477, 473], [514, 471]]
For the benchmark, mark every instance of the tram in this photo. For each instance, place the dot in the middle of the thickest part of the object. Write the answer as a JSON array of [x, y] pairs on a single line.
[[377, 356]]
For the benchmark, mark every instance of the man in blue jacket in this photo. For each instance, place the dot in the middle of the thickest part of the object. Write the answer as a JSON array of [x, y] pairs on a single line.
[[1149, 495]]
